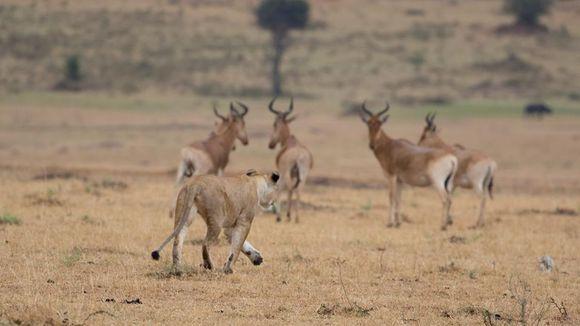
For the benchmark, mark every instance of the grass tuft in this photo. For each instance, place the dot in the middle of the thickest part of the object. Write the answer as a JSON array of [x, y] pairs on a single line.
[[9, 219]]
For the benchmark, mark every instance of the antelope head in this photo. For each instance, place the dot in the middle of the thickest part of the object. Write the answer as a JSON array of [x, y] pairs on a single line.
[[281, 129], [373, 121], [236, 121], [430, 129]]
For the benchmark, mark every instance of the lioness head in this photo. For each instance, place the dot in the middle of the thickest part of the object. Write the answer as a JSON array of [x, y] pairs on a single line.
[[267, 186]]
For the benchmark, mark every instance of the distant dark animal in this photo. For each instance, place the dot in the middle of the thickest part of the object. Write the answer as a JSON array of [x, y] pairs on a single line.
[[538, 110]]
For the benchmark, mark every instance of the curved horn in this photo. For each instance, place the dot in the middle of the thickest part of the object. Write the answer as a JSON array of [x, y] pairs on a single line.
[[428, 120], [271, 107], [215, 111], [432, 119], [243, 106], [233, 109], [290, 107], [364, 108], [385, 110]]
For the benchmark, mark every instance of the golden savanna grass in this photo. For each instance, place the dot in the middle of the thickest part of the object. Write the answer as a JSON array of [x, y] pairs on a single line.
[[88, 178]]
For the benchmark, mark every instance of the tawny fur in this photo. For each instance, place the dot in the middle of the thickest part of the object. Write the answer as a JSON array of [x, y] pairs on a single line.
[[294, 160], [404, 163], [476, 170], [228, 203]]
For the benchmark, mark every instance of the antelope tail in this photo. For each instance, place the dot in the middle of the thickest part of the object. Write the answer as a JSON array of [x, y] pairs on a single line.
[[488, 182], [184, 209], [189, 169], [295, 174], [449, 180]]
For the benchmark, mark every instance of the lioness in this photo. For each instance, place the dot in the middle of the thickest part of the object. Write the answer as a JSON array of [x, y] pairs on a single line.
[[223, 202]]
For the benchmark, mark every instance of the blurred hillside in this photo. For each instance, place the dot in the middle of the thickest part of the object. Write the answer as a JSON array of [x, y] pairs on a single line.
[[413, 52]]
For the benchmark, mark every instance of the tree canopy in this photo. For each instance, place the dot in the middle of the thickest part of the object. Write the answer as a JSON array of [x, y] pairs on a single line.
[[283, 15]]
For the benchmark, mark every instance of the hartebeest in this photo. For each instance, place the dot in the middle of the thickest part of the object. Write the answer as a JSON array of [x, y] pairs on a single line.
[[475, 171], [211, 155], [405, 163], [294, 160]]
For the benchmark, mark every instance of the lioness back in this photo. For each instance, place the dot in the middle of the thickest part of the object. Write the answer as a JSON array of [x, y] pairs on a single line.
[[220, 197]]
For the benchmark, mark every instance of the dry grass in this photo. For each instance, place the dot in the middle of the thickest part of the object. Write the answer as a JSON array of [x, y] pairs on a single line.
[[86, 259]]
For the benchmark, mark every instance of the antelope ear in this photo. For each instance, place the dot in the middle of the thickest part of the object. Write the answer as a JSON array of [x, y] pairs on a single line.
[[292, 118], [385, 118], [275, 176], [251, 172]]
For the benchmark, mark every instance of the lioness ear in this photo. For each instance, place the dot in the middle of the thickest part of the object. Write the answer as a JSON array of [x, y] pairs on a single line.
[[275, 176], [251, 172]]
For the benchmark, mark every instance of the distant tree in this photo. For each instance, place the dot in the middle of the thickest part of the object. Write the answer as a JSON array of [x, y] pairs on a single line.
[[73, 69], [527, 12], [280, 17], [72, 77]]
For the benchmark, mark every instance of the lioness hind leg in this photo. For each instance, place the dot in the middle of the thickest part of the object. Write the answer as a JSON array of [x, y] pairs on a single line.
[[237, 239], [178, 246], [211, 236]]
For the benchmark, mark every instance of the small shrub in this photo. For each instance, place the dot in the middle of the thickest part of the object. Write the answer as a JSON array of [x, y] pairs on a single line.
[[9, 219], [73, 68], [72, 75], [73, 257], [417, 60]]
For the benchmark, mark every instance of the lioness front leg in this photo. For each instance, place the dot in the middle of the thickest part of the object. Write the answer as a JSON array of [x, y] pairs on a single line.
[[252, 253], [237, 239]]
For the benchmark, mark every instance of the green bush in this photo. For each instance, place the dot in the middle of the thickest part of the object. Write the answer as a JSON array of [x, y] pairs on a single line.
[[73, 68], [528, 12], [9, 219]]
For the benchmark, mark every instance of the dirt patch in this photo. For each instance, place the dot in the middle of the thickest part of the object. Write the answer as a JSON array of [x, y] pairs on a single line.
[[43, 200], [449, 268], [457, 239], [512, 63], [344, 183], [327, 310], [521, 29], [53, 174], [561, 211]]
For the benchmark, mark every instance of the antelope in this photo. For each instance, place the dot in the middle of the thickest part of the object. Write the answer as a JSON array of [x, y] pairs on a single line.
[[405, 163], [211, 155], [294, 160], [475, 171]]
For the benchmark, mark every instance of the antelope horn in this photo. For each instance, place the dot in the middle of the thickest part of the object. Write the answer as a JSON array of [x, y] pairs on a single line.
[[432, 119], [290, 108], [385, 110], [243, 106], [233, 109], [428, 120], [215, 111], [271, 107], [364, 108]]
